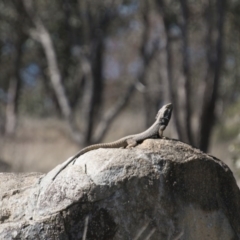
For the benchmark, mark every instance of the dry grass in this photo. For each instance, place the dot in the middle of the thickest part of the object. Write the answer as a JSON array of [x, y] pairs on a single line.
[[41, 144]]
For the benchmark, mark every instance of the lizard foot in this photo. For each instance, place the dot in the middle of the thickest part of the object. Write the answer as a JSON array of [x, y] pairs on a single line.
[[131, 146], [131, 143]]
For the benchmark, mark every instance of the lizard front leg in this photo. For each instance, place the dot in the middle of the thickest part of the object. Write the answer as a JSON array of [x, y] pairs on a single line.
[[131, 143], [160, 132]]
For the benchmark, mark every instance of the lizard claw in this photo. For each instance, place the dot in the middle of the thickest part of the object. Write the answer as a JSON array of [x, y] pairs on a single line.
[[130, 147]]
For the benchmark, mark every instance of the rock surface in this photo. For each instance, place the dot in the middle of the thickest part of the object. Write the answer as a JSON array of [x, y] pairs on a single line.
[[162, 189]]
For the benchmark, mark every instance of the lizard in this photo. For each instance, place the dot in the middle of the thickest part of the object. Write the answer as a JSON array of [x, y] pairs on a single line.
[[156, 130]]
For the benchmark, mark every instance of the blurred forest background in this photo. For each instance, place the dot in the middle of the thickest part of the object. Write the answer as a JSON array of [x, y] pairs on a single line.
[[77, 72]]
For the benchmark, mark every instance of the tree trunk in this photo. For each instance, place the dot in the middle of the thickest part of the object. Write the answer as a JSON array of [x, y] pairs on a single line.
[[148, 54], [215, 60], [186, 72], [41, 34], [169, 81], [12, 105], [14, 88], [97, 85]]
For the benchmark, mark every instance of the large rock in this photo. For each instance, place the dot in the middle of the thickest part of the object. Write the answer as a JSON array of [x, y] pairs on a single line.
[[162, 189]]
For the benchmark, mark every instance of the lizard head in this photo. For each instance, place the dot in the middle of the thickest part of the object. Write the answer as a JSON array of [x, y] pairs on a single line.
[[164, 114]]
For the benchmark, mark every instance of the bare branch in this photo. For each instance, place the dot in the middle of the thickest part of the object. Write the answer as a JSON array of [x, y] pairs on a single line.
[[115, 111], [41, 34]]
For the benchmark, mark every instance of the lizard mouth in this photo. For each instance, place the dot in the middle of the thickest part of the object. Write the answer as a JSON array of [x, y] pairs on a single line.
[[169, 106]]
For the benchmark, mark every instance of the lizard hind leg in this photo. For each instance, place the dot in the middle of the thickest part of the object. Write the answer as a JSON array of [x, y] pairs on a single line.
[[131, 143]]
